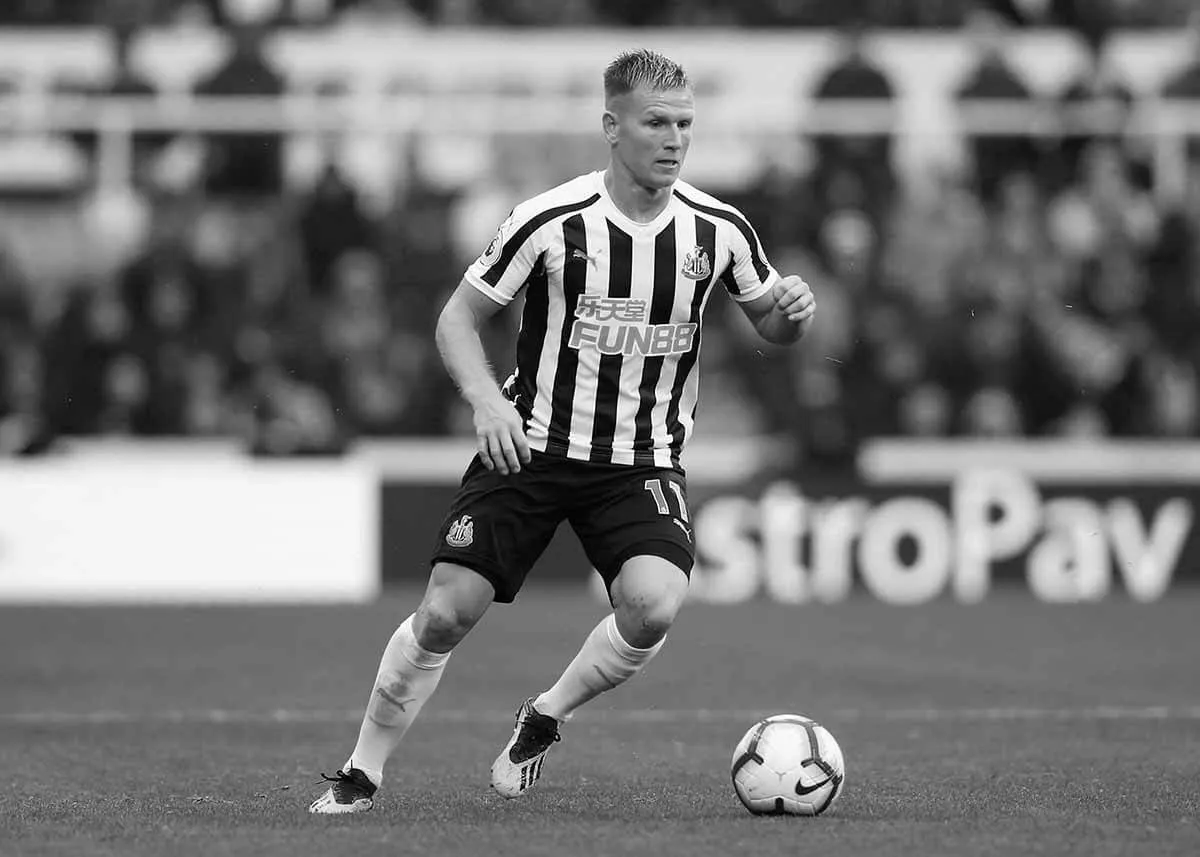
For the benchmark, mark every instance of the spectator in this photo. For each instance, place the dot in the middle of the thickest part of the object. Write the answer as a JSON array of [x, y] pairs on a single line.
[[1105, 214], [24, 429], [360, 14], [244, 163], [855, 75], [94, 329], [990, 372], [940, 14], [126, 80], [1185, 84], [1096, 94], [331, 222], [45, 12], [1173, 277], [1172, 396], [356, 321], [891, 360], [127, 406], [1094, 19], [165, 336], [16, 311], [207, 407], [931, 237], [993, 78], [291, 415]]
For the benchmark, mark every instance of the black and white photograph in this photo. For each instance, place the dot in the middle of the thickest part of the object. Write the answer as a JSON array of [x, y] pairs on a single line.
[[600, 428]]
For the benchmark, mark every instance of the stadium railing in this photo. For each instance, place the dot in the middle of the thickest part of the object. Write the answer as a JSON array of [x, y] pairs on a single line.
[[753, 87], [1165, 125]]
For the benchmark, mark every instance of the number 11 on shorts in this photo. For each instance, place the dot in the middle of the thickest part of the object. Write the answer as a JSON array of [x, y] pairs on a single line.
[[654, 486]]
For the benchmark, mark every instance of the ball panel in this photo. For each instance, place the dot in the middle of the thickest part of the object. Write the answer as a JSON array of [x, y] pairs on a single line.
[[798, 807], [784, 747]]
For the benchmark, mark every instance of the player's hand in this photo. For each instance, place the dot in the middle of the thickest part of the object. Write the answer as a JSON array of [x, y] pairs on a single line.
[[794, 299], [501, 436]]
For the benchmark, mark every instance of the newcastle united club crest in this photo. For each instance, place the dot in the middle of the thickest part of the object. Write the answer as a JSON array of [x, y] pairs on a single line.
[[696, 264]]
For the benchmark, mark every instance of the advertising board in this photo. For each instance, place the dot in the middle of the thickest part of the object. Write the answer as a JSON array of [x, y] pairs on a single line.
[[914, 523], [186, 528], [817, 541]]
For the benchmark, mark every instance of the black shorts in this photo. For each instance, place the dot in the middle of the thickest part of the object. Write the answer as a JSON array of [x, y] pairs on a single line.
[[499, 525]]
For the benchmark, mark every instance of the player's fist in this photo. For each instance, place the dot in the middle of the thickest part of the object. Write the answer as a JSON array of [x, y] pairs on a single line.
[[794, 299]]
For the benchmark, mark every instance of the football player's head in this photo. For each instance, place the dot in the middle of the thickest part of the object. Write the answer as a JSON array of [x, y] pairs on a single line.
[[648, 112]]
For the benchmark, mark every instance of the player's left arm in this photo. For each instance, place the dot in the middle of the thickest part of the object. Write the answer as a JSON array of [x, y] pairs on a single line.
[[784, 312], [780, 308]]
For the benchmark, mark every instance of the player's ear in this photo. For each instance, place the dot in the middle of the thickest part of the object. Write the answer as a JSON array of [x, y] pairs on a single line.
[[611, 125]]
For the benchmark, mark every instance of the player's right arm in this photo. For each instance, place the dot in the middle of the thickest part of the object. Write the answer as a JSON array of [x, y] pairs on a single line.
[[498, 427], [489, 285]]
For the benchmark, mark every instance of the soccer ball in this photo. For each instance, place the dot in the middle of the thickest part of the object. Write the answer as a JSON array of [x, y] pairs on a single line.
[[788, 764]]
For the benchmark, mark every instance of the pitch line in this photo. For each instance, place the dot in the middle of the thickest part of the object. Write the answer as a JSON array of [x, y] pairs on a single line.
[[218, 716]]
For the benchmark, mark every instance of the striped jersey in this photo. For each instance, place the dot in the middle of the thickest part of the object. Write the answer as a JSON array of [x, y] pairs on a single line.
[[607, 353]]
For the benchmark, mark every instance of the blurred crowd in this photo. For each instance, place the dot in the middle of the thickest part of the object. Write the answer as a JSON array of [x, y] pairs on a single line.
[[1046, 290], [296, 324], [1085, 15], [1040, 309], [1042, 290]]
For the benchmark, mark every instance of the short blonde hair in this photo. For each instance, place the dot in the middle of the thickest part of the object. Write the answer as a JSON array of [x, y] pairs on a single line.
[[643, 68]]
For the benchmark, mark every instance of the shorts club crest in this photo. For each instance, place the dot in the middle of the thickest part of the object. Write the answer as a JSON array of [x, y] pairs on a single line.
[[461, 532]]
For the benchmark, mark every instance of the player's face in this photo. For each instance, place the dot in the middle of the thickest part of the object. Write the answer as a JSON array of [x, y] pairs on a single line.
[[652, 133]]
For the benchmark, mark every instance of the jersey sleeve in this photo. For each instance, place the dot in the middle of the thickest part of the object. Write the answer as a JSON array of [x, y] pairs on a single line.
[[505, 264], [749, 274]]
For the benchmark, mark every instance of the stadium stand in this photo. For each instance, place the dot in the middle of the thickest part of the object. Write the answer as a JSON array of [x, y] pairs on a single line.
[[280, 283]]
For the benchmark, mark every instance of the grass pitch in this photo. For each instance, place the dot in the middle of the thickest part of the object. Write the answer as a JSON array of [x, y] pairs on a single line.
[[1001, 728]]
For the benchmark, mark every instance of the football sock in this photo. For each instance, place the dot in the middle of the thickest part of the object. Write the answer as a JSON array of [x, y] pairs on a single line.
[[604, 661], [408, 675]]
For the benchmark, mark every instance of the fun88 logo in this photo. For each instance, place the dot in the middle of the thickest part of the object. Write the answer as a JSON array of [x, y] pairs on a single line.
[[618, 326]]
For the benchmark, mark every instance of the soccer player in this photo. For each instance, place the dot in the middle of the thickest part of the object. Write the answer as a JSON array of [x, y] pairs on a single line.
[[617, 267]]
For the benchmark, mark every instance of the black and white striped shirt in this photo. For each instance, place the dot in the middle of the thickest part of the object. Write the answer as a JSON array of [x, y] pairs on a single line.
[[606, 366]]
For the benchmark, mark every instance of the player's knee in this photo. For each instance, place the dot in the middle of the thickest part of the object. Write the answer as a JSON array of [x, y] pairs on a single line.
[[444, 619], [646, 609], [454, 602], [442, 623], [643, 624]]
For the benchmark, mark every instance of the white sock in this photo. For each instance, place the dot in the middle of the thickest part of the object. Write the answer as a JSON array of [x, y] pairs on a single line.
[[604, 661], [408, 675]]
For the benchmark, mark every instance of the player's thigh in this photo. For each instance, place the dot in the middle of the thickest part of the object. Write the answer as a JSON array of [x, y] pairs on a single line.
[[642, 513], [498, 525]]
